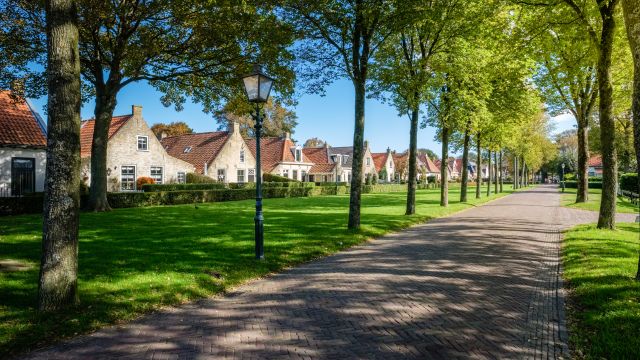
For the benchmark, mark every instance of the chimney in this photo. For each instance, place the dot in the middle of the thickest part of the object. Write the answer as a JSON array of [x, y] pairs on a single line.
[[366, 144], [287, 135], [136, 110], [163, 135], [388, 150], [233, 127]]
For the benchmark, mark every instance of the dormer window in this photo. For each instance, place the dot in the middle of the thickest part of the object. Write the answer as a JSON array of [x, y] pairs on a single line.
[[143, 143], [335, 158], [298, 153], [187, 149], [368, 161], [242, 156], [344, 159]]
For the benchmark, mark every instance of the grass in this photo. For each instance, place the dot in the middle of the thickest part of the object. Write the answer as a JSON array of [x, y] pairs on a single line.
[[604, 311], [593, 203], [132, 261]]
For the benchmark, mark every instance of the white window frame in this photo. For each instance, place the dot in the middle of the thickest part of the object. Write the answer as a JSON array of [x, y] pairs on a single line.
[[146, 139], [251, 175], [238, 176], [303, 175], [242, 156], [135, 172], [222, 177], [161, 174], [368, 161], [183, 175], [298, 154], [294, 174], [285, 173]]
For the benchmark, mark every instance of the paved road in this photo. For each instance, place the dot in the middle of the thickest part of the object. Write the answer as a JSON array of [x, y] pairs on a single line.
[[483, 283]]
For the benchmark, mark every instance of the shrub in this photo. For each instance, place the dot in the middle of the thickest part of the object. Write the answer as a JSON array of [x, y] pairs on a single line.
[[629, 182], [193, 178], [275, 178], [144, 180], [179, 187], [574, 185], [30, 204], [431, 179], [367, 179], [374, 179]]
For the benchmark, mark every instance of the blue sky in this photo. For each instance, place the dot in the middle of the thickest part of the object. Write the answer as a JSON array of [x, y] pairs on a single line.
[[329, 118]]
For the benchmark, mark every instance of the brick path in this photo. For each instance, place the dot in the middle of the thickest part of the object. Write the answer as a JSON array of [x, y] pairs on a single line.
[[483, 283]]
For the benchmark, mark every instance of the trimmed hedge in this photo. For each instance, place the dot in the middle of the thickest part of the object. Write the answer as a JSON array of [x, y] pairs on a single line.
[[574, 185], [275, 178], [629, 182], [29, 204], [181, 187]]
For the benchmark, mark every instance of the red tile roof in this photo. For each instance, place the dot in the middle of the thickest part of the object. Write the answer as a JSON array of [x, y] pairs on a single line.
[[399, 158], [595, 161], [428, 163], [320, 157], [18, 124], [86, 132], [274, 150], [204, 147], [379, 160]]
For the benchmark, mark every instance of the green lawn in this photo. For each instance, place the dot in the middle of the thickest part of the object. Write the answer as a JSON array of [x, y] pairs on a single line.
[[593, 203], [604, 310], [132, 261]]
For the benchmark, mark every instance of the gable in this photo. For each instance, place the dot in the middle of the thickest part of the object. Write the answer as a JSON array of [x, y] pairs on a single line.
[[19, 124]]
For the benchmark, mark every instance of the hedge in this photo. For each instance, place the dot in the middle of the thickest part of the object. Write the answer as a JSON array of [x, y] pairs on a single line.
[[574, 185], [629, 182], [199, 193], [193, 178], [180, 187], [275, 178]]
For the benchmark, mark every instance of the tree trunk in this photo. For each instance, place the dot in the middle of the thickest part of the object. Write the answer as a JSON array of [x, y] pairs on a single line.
[[489, 173], [103, 112], [58, 281], [501, 174], [583, 159], [465, 165], [358, 150], [632, 20], [522, 177], [515, 172], [606, 218], [413, 148], [444, 189], [495, 173], [478, 168]]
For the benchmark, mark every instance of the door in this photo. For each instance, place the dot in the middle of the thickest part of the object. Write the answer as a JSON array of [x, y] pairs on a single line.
[[23, 176]]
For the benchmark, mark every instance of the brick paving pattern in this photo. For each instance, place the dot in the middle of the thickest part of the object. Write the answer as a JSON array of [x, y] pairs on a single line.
[[484, 283]]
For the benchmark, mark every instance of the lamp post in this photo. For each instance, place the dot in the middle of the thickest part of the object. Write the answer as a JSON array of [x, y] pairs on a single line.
[[562, 177], [257, 86]]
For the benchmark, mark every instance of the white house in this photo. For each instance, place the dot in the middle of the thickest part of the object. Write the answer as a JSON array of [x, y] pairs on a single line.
[[23, 142]]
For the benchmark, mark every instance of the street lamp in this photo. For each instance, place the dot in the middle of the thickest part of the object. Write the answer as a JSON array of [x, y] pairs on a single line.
[[562, 177], [257, 86]]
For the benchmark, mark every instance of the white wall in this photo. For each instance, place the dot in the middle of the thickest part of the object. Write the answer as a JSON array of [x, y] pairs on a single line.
[[5, 165]]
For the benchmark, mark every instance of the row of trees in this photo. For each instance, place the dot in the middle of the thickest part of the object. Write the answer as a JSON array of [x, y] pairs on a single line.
[[457, 62]]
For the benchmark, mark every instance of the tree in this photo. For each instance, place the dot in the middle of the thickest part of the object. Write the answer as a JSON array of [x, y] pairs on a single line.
[[182, 48], [277, 119], [171, 129], [430, 153], [632, 21], [314, 143], [341, 39], [58, 282], [568, 144]]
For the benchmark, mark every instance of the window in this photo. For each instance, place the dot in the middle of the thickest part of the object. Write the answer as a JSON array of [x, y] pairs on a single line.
[[368, 161], [285, 173], [295, 174], [187, 149], [348, 177], [252, 175], [127, 178], [240, 176], [241, 157], [182, 178], [221, 174], [298, 155], [303, 174], [143, 143], [156, 174], [339, 178]]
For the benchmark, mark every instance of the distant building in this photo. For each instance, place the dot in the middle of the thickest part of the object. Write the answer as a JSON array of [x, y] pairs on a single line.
[[595, 166], [133, 151], [281, 156]]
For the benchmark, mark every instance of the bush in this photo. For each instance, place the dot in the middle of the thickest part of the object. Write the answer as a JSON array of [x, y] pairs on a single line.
[[574, 185], [193, 178], [431, 179], [629, 182], [275, 178], [374, 179], [29, 204], [144, 180], [180, 187]]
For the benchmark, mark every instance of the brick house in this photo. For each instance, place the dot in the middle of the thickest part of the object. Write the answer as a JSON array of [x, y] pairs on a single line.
[[427, 166], [384, 165], [281, 156], [23, 142], [133, 151], [335, 164], [221, 155], [594, 166]]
